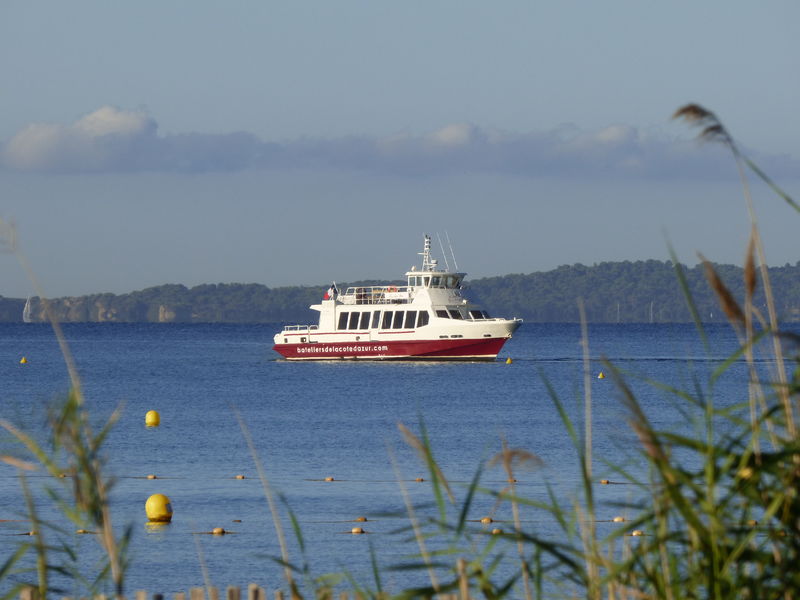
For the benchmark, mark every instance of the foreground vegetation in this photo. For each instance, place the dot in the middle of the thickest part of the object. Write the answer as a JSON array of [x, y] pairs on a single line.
[[716, 516]]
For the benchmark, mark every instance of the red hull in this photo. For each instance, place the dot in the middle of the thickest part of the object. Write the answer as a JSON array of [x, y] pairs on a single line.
[[459, 349]]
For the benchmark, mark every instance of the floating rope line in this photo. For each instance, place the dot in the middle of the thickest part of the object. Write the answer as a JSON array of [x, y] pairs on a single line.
[[215, 531], [357, 520], [150, 476]]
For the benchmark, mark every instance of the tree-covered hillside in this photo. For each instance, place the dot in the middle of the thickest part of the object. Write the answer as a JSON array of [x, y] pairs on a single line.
[[626, 291], [640, 291]]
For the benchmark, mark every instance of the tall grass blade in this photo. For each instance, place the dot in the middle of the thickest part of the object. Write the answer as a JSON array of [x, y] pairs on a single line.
[[680, 274]]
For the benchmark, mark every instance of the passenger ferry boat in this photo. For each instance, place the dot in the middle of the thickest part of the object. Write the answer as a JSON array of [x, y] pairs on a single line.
[[426, 319]]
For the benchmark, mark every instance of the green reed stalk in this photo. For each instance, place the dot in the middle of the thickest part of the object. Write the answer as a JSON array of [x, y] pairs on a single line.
[[72, 432]]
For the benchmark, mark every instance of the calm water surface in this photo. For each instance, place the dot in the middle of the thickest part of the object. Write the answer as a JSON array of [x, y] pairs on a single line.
[[310, 421]]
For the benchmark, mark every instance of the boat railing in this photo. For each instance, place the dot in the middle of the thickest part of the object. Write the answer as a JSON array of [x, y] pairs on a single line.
[[301, 328], [377, 294]]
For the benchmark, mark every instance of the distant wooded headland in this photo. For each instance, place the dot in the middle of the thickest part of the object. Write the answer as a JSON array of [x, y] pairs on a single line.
[[613, 292]]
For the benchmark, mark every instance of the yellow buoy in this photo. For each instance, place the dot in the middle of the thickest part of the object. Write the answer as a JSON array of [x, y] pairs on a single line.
[[152, 418], [419, 479], [329, 478], [604, 482], [151, 476], [497, 531], [218, 531], [23, 361], [158, 508], [618, 519], [486, 520], [357, 530], [361, 519], [239, 477], [637, 533], [509, 361], [602, 375]]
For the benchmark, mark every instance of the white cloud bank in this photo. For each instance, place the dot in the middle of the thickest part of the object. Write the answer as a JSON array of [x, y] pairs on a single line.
[[116, 140]]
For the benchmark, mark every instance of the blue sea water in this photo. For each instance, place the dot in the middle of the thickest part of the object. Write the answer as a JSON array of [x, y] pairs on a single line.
[[310, 421]]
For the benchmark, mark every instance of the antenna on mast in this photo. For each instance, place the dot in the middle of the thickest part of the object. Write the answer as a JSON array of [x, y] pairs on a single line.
[[428, 263], [453, 254], [444, 254]]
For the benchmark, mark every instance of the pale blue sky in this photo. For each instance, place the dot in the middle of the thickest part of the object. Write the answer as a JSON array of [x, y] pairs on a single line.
[[204, 142]]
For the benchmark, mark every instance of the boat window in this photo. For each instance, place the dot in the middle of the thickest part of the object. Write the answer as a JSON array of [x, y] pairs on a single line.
[[442, 314], [427, 281], [398, 319], [455, 314], [376, 319], [423, 318], [452, 281], [476, 314], [364, 324], [486, 315], [412, 281], [411, 318], [343, 320], [353, 320], [387, 319], [436, 281]]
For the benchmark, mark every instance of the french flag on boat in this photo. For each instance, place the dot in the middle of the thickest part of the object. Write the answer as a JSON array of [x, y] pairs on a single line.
[[331, 293]]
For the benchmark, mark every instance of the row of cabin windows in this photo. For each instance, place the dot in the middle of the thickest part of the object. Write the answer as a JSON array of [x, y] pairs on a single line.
[[391, 319], [454, 313], [435, 281], [399, 319]]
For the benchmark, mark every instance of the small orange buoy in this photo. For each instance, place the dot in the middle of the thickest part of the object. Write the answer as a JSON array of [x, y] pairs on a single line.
[[487, 520], [151, 476], [604, 482], [218, 531], [329, 478], [357, 531], [361, 519], [419, 479], [618, 519], [637, 533], [497, 531], [239, 477]]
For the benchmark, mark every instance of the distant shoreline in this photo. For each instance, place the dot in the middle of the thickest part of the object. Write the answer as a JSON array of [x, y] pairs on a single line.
[[612, 292]]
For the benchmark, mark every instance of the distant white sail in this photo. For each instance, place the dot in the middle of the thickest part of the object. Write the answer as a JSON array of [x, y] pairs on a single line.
[[26, 312]]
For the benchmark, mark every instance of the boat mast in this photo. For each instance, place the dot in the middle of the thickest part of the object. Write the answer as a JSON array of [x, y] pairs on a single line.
[[428, 263]]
